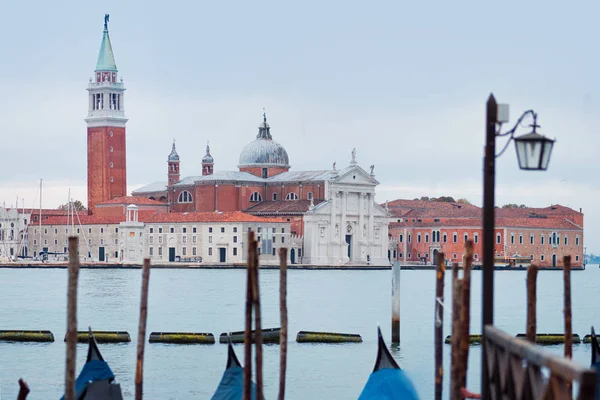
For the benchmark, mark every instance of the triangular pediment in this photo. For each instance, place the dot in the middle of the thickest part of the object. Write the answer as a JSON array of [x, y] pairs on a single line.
[[357, 176]]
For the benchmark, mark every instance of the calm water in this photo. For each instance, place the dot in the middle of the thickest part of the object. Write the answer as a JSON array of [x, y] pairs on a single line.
[[213, 301]]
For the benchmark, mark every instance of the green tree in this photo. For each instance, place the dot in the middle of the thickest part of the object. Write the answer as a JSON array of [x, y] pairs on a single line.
[[463, 201], [77, 205], [514, 205]]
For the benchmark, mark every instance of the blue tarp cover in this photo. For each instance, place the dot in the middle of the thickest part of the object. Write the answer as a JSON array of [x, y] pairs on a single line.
[[231, 386], [389, 384], [94, 370]]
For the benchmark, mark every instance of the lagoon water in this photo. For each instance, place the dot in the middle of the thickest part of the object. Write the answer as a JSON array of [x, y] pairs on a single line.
[[213, 301]]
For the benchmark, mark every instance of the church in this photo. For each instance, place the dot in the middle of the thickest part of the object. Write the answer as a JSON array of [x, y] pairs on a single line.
[[332, 212], [333, 215]]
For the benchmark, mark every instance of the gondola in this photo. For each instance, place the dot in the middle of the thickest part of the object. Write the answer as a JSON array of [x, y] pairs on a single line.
[[231, 386], [96, 380], [387, 381]]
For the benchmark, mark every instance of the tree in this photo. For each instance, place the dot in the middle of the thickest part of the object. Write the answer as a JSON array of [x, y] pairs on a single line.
[[77, 205], [514, 205], [463, 201], [444, 199]]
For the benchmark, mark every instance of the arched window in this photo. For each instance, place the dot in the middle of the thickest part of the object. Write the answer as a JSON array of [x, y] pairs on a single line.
[[274, 196], [254, 197], [309, 195], [291, 196], [185, 197]]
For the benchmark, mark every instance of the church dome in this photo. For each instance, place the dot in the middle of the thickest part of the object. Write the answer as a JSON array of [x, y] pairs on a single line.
[[208, 159], [173, 157], [264, 151]]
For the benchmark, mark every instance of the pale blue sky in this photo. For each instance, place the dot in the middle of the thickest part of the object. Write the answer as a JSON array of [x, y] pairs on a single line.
[[403, 82]]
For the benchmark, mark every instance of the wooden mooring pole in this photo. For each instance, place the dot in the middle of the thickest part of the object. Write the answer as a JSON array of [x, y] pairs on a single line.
[[23, 390], [532, 271], [568, 324], [396, 302], [284, 320], [457, 291], [248, 327], [139, 365], [257, 327], [465, 315], [439, 325], [72, 318]]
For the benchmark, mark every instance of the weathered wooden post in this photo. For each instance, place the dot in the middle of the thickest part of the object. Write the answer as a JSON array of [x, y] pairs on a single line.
[[465, 315], [568, 324], [72, 318], [257, 326], [23, 390], [139, 366], [396, 302], [439, 325], [531, 302], [457, 291], [248, 327], [284, 320]]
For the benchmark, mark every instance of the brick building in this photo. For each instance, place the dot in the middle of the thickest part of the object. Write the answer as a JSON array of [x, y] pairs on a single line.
[[344, 223], [544, 235]]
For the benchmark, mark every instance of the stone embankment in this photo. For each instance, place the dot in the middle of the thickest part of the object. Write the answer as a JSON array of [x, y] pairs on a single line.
[[185, 265]]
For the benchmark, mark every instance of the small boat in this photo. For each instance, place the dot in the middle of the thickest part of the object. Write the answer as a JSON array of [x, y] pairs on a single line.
[[96, 380], [387, 381], [231, 386]]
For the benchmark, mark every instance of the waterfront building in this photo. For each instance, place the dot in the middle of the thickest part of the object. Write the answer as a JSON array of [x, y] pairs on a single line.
[[420, 229], [13, 234], [207, 237], [333, 213]]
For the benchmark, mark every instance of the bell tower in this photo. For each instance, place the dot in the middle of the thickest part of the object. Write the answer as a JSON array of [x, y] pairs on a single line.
[[173, 161], [208, 162], [107, 172]]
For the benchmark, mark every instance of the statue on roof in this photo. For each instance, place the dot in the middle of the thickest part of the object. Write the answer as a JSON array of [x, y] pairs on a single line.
[[106, 18], [334, 166], [354, 155], [372, 168]]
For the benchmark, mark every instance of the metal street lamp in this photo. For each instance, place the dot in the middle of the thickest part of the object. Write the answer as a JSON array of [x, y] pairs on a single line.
[[533, 153]]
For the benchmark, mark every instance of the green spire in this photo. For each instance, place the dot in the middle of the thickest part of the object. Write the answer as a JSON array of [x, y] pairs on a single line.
[[106, 59]]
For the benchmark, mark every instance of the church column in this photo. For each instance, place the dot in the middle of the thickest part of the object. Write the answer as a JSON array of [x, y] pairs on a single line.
[[361, 214], [342, 240], [332, 228], [371, 220]]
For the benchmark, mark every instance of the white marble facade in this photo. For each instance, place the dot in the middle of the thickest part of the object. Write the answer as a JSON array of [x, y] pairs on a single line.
[[350, 227]]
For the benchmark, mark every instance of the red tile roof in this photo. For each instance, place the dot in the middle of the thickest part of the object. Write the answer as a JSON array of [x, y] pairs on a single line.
[[127, 200], [437, 209], [85, 219], [45, 211], [230, 216], [526, 223], [281, 207]]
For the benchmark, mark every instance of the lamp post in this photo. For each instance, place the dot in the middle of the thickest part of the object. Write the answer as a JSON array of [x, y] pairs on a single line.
[[533, 152]]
